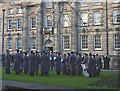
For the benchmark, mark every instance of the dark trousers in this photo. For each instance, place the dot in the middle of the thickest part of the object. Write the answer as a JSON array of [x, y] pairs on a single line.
[[31, 73], [8, 71], [44, 73], [58, 72], [17, 72]]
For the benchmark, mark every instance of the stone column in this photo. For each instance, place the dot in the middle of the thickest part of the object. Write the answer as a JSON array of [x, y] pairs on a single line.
[[25, 28], [40, 26], [57, 28], [74, 32]]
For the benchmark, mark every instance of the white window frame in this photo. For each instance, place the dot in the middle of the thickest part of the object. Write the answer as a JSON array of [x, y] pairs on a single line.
[[19, 10], [64, 43], [31, 44], [17, 43], [19, 23], [48, 5], [114, 17], [82, 20], [97, 18], [9, 42], [116, 1], [10, 23], [33, 20], [100, 43], [82, 2], [82, 42], [10, 11], [66, 22], [50, 21], [115, 41], [97, 2]]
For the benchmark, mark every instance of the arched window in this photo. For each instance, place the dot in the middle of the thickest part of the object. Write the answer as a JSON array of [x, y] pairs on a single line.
[[48, 42]]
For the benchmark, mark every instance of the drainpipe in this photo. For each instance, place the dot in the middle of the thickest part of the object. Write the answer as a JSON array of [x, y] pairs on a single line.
[[3, 31]]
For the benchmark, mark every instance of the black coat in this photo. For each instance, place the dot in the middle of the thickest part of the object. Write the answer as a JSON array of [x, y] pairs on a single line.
[[72, 62], [58, 64], [7, 61]]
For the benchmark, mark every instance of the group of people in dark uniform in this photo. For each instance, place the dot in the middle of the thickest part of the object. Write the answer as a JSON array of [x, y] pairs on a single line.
[[67, 64]]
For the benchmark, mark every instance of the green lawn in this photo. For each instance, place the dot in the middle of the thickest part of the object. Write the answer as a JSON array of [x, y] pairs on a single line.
[[61, 80]]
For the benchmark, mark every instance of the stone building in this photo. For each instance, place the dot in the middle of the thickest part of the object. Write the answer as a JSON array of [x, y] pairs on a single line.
[[62, 27]]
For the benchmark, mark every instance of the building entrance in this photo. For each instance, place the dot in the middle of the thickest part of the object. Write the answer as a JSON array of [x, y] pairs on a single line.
[[49, 49]]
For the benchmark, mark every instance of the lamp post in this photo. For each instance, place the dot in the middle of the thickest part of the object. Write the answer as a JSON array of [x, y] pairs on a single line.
[[107, 45], [3, 31]]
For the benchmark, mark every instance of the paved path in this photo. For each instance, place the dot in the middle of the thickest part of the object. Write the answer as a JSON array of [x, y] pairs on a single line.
[[112, 70], [26, 85]]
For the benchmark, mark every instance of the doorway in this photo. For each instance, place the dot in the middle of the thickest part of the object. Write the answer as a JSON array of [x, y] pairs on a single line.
[[49, 49]]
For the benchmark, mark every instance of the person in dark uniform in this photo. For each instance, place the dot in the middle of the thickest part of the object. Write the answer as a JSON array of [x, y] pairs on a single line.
[[106, 61], [51, 61], [64, 65], [21, 62], [68, 65], [85, 60], [17, 58], [58, 64], [98, 65], [91, 66], [44, 64], [7, 62], [72, 62], [25, 63], [79, 67], [37, 61], [31, 63]]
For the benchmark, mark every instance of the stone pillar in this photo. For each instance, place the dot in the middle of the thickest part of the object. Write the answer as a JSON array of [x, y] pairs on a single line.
[[57, 28], [25, 28], [74, 32], [40, 26]]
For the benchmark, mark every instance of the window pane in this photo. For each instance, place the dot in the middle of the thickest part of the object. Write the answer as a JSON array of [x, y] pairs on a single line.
[[83, 2], [48, 4], [84, 42], [19, 10], [33, 43], [97, 42], [97, 18], [116, 16], [66, 42], [9, 24], [97, 2], [116, 1], [10, 11], [65, 20], [48, 21], [18, 43], [19, 22], [84, 19], [116, 41], [33, 22], [9, 43]]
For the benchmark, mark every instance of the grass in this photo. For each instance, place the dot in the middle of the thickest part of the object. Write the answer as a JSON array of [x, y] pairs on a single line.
[[61, 80]]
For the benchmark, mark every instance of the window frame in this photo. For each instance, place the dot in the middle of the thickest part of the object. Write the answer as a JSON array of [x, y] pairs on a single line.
[[83, 1], [50, 21], [48, 6], [32, 23], [97, 2], [18, 24], [9, 11], [82, 19], [114, 22], [31, 44], [10, 23], [113, 1], [18, 10], [64, 43], [114, 42], [85, 43], [95, 43], [95, 18], [19, 44], [64, 20], [10, 43]]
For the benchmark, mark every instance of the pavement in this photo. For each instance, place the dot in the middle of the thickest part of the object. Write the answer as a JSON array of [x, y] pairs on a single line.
[[26, 85]]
